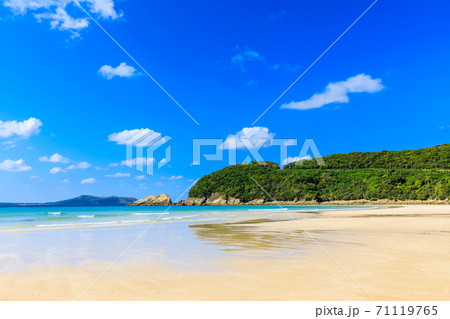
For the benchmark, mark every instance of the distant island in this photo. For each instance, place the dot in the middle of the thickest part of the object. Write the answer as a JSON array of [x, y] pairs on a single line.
[[413, 176], [84, 200]]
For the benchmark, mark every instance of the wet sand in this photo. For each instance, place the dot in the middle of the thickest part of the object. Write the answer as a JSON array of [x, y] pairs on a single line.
[[400, 253]]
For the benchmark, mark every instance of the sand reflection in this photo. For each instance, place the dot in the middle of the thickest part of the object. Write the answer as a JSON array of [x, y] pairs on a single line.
[[248, 236]]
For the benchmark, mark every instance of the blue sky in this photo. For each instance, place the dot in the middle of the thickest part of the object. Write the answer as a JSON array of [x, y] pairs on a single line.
[[383, 85]]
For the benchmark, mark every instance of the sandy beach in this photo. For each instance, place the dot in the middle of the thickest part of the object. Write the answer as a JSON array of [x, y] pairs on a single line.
[[396, 253]]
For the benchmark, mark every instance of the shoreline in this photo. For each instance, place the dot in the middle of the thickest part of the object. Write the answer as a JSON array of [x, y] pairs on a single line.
[[358, 202], [217, 199], [241, 212], [268, 203]]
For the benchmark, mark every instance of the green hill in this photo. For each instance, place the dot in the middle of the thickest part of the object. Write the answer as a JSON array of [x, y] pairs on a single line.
[[425, 158], [397, 175]]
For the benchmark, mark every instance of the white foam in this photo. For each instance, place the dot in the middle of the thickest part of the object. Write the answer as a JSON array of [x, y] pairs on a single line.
[[54, 213], [136, 221], [145, 214], [78, 224], [180, 217], [86, 216], [267, 209]]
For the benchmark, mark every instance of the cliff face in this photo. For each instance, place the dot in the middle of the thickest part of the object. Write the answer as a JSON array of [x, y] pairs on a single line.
[[192, 201], [154, 200], [216, 199]]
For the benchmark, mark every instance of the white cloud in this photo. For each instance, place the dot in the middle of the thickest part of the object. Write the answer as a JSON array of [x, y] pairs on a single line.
[[138, 137], [56, 12], [113, 164], [295, 159], [140, 177], [105, 8], [122, 70], [55, 158], [14, 166], [56, 170], [286, 67], [81, 165], [34, 177], [119, 175], [61, 20], [195, 163], [9, 144], [338, 92], [247, 55], [248, 137], [22, 129], [139, 161], [243, 57], [21, 6], [89, 181], [65, 181], [173, 178]]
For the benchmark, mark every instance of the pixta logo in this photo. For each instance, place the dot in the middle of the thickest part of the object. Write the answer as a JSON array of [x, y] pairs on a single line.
[[253, 147]]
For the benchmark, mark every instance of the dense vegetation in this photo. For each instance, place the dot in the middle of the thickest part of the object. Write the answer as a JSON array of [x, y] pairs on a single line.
[[371, 176], [426, 158]]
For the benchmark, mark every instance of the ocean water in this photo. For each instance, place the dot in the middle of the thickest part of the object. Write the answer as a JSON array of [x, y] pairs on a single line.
[[66, 217], [182, 236]]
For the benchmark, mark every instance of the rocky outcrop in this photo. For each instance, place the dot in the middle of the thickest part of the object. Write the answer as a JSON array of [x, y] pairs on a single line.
[[154, 200], [233, 201], [192, 201], [216, 199], [258, 201]]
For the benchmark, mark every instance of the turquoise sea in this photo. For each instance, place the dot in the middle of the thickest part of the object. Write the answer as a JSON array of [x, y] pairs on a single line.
[[67, 217], [192, 237]]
